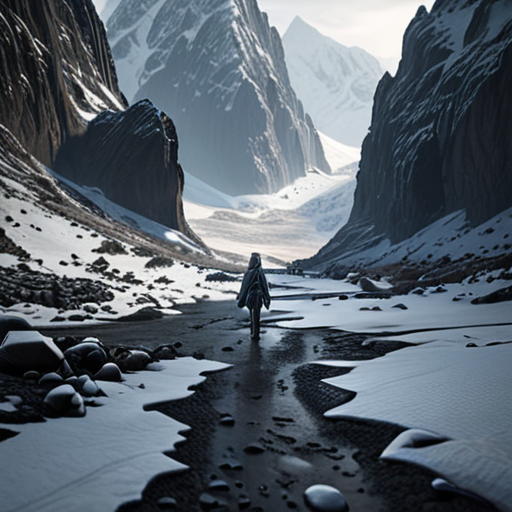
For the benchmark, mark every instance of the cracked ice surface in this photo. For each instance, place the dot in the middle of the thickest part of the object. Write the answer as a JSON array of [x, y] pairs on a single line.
[[439, 385], [107, 458], [456, 391]]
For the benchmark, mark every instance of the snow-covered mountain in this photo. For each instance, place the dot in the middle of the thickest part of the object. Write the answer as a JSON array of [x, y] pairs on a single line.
[[218, 69], [335, 83], [441, 132]]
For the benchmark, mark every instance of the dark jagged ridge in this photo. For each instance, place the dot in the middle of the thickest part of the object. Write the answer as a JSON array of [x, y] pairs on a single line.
[[441, 134]]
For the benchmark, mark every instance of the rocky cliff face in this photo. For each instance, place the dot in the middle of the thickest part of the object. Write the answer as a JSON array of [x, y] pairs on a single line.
[[218, 69], [441, 131], [60, 99], [336, 84], [57, 72]]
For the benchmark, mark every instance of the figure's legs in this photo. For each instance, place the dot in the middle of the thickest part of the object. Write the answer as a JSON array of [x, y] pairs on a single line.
[[255, 323]]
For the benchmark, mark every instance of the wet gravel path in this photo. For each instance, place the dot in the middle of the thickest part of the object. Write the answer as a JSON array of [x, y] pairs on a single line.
[[259, 426]]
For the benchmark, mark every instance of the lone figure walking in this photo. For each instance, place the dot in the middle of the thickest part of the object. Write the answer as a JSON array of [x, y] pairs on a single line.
[[254, 293]]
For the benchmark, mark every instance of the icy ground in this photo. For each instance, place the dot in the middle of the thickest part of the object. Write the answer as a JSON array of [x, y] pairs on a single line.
[[106, 458], [66, 249], [288, 225], [454, 382]]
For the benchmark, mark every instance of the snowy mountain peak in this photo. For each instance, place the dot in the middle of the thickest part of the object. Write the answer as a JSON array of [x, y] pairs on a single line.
[[335, 83], [218, 69]]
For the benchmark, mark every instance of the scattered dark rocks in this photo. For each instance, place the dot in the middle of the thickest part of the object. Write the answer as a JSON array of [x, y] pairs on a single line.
[[99, 265], [220, 277], [164, 280], [501, 295], [143, 252], [373, 295], [400, 306], [110, 247], [7, 246], [159, 262], [25, 285]]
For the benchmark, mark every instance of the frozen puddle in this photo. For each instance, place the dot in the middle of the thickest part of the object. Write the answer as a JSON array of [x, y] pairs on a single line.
[[105, 459], [463, 393]]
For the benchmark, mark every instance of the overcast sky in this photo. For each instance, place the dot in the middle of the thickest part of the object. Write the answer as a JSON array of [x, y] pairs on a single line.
[[375, 25]]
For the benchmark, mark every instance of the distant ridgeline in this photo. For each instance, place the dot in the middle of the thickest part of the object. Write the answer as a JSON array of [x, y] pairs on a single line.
[[59, 97], [441, 132], [218, 69]]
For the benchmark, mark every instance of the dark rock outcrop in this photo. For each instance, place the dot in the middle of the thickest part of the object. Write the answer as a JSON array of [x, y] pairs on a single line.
[[54, 58], [441, 132], [218, 68], [132, 156]]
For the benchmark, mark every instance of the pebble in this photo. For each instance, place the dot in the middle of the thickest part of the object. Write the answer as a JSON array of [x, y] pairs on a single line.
[[88, 386], [218, 485], [209, 502], [440, 484], [32, 375], [65, 401], [167, 503], [50, 380], [254, 448], [227, 420], [243, 502], [109, 372], [324, 498]]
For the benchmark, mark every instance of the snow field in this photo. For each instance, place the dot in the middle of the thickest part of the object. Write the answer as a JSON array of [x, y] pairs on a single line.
[[54, 239], [106, 458], [290, 224], [441, 385]]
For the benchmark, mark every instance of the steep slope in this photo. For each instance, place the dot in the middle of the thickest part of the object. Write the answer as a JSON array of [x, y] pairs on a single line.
[[218, 69], [336, 84], [57, 76], [57, 72], [441, 132]]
